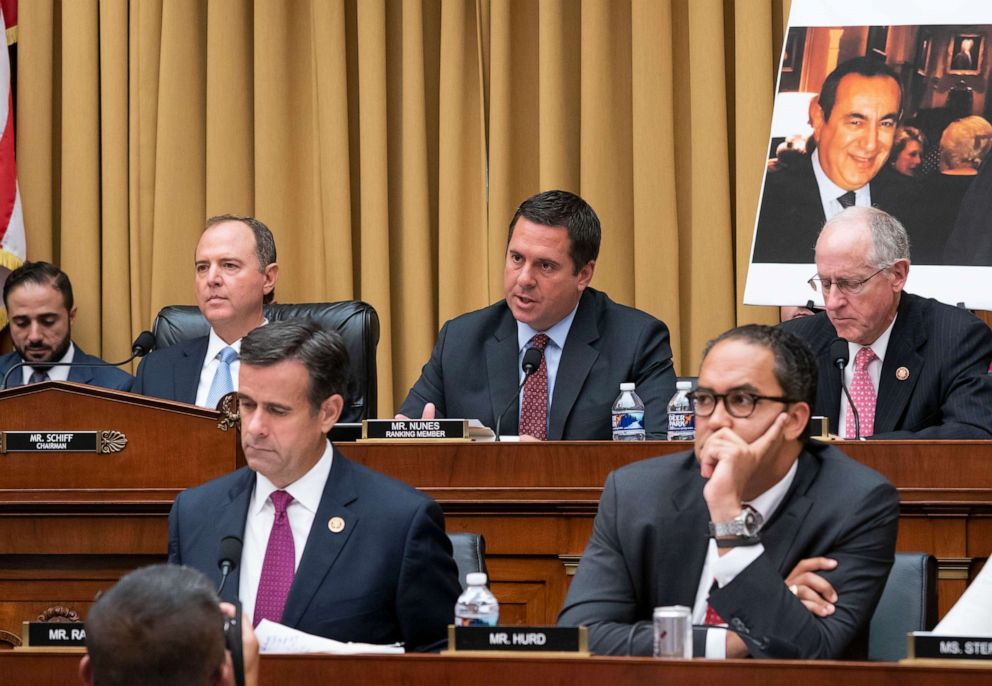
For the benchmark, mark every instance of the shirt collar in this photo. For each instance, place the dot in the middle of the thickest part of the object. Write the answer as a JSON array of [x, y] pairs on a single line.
[[879, 346], [215, 343], [829, 191], [69, 356], [307, 490], [768, 502], [557, 333]]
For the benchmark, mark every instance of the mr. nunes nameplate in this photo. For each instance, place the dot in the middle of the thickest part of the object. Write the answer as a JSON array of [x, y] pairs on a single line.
[[414, 429], [48, 441]]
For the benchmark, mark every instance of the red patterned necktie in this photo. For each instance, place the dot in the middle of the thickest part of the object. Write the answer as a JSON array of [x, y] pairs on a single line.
[[279, 565], [534, 408], [863, 394]]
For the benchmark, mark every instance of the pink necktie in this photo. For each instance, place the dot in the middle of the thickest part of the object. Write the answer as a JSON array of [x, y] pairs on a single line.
[[534, 408], [863, 394], [279, 565]]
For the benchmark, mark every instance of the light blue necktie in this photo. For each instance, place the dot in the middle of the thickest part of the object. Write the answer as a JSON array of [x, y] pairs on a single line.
[[222, 384]]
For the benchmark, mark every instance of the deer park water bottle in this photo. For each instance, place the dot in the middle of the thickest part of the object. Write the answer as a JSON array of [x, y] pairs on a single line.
[[681, 418]]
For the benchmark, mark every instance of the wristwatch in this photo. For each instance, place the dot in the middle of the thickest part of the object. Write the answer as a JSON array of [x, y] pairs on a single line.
[[741, 530]]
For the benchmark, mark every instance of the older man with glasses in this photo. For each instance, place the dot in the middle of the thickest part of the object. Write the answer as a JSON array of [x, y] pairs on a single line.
[[916, 368], [801, 537]]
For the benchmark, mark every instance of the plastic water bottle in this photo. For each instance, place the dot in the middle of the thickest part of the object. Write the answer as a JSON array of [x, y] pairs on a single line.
[[628, 415], [477, 606], [681, 418]]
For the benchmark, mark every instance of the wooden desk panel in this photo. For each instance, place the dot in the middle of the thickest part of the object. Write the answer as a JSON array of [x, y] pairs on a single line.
[[59, 669], [535, 503]]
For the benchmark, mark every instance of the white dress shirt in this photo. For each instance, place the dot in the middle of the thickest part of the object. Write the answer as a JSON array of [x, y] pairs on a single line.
[[58, 372], [306, 492], [725, 569], [829, 191], [552, 353], [879, 347]]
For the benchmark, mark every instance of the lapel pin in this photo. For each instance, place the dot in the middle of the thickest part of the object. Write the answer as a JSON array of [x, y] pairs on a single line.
[[902, 373], [336, 525]]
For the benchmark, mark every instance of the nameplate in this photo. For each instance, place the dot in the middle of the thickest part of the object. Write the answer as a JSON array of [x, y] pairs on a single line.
[[54, 635], [518, 639], [925, 645], [49, 441], [414, 429]]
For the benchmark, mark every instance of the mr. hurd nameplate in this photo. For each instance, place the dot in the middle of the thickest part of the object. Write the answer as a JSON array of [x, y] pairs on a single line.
[[414, 429]]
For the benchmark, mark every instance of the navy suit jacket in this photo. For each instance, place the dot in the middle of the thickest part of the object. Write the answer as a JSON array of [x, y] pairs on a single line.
[[106, 377], [650, 539], [473, 372], [791, 213], [946, 350], [387, 577], [172, 373]]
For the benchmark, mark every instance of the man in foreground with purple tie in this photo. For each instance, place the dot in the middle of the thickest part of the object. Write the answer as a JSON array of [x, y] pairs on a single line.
[[329, 547], [916, 367]]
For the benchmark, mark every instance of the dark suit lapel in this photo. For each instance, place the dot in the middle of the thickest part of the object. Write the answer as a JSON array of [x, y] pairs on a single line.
[[82, 374], [230, 517], [323, 546], [187, 374], [692, 517], [502, 353], [907, 337], [828, 389], [577, 358], [784, 526], [17, 378]]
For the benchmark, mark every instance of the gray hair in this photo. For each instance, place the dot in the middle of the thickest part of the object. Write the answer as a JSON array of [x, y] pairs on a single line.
[[965, 143], [890, 242]]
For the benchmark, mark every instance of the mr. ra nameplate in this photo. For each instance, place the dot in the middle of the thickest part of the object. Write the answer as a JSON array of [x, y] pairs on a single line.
[[414, 429]]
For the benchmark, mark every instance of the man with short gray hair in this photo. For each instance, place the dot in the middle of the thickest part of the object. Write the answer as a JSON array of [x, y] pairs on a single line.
[[917, 368]]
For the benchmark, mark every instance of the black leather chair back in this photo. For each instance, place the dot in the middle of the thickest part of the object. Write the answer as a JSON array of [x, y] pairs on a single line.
[[469, 553], [908, 603], [357, 322]]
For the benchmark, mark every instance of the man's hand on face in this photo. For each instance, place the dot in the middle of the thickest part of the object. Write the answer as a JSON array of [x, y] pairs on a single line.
[[815, 592], [729, 462]]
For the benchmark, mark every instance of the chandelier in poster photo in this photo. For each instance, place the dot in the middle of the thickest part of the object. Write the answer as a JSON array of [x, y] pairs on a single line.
[[885, 106]]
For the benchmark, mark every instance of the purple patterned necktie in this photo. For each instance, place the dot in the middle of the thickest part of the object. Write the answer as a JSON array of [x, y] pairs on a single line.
[[534, 408], [38, 375], [279, 565]]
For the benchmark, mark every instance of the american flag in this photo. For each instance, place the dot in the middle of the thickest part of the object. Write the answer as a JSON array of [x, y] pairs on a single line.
[[13, 246]]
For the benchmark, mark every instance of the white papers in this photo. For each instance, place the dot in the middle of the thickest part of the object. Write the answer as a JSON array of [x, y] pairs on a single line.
[[274, 638]]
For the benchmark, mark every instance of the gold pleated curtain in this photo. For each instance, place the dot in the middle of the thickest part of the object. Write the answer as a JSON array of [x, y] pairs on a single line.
[[387, 143]]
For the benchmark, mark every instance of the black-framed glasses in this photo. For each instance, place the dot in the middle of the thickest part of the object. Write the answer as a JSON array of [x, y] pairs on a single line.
[[845, 286], [739, 404]]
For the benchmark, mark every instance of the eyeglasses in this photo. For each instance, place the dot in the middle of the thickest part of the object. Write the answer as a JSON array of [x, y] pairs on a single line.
[[845, 286], [739, 404]]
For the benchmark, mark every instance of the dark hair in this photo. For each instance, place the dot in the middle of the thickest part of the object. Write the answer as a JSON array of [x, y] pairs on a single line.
[[265, 244], [322, 352], [567, 210], [158, 626], [43, 274], [862, 66], [795, 364]]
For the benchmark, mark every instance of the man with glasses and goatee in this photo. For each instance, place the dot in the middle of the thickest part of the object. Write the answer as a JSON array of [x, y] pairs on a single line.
[[776, 509], [916, 368]]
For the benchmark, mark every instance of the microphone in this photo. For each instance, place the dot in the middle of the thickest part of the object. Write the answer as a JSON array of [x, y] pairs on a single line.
[[840, 355], [532, 360], [142, 345], [227, 560]]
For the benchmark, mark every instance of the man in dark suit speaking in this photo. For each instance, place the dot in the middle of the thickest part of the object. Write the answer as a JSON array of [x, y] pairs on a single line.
[[917, 368], [330, 547], [590, 344], [769, 500], [39, 301], [854, 121], [236, 273]]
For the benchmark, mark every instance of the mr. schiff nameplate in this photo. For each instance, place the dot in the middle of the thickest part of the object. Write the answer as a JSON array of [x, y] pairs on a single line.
[[415, 430], [49, 441]]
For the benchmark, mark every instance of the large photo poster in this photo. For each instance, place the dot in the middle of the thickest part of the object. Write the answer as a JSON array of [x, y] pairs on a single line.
[[882, 104]]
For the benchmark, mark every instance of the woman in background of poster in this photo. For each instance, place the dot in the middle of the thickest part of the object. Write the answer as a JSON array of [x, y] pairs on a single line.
[[907, 151], [963, 146]]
